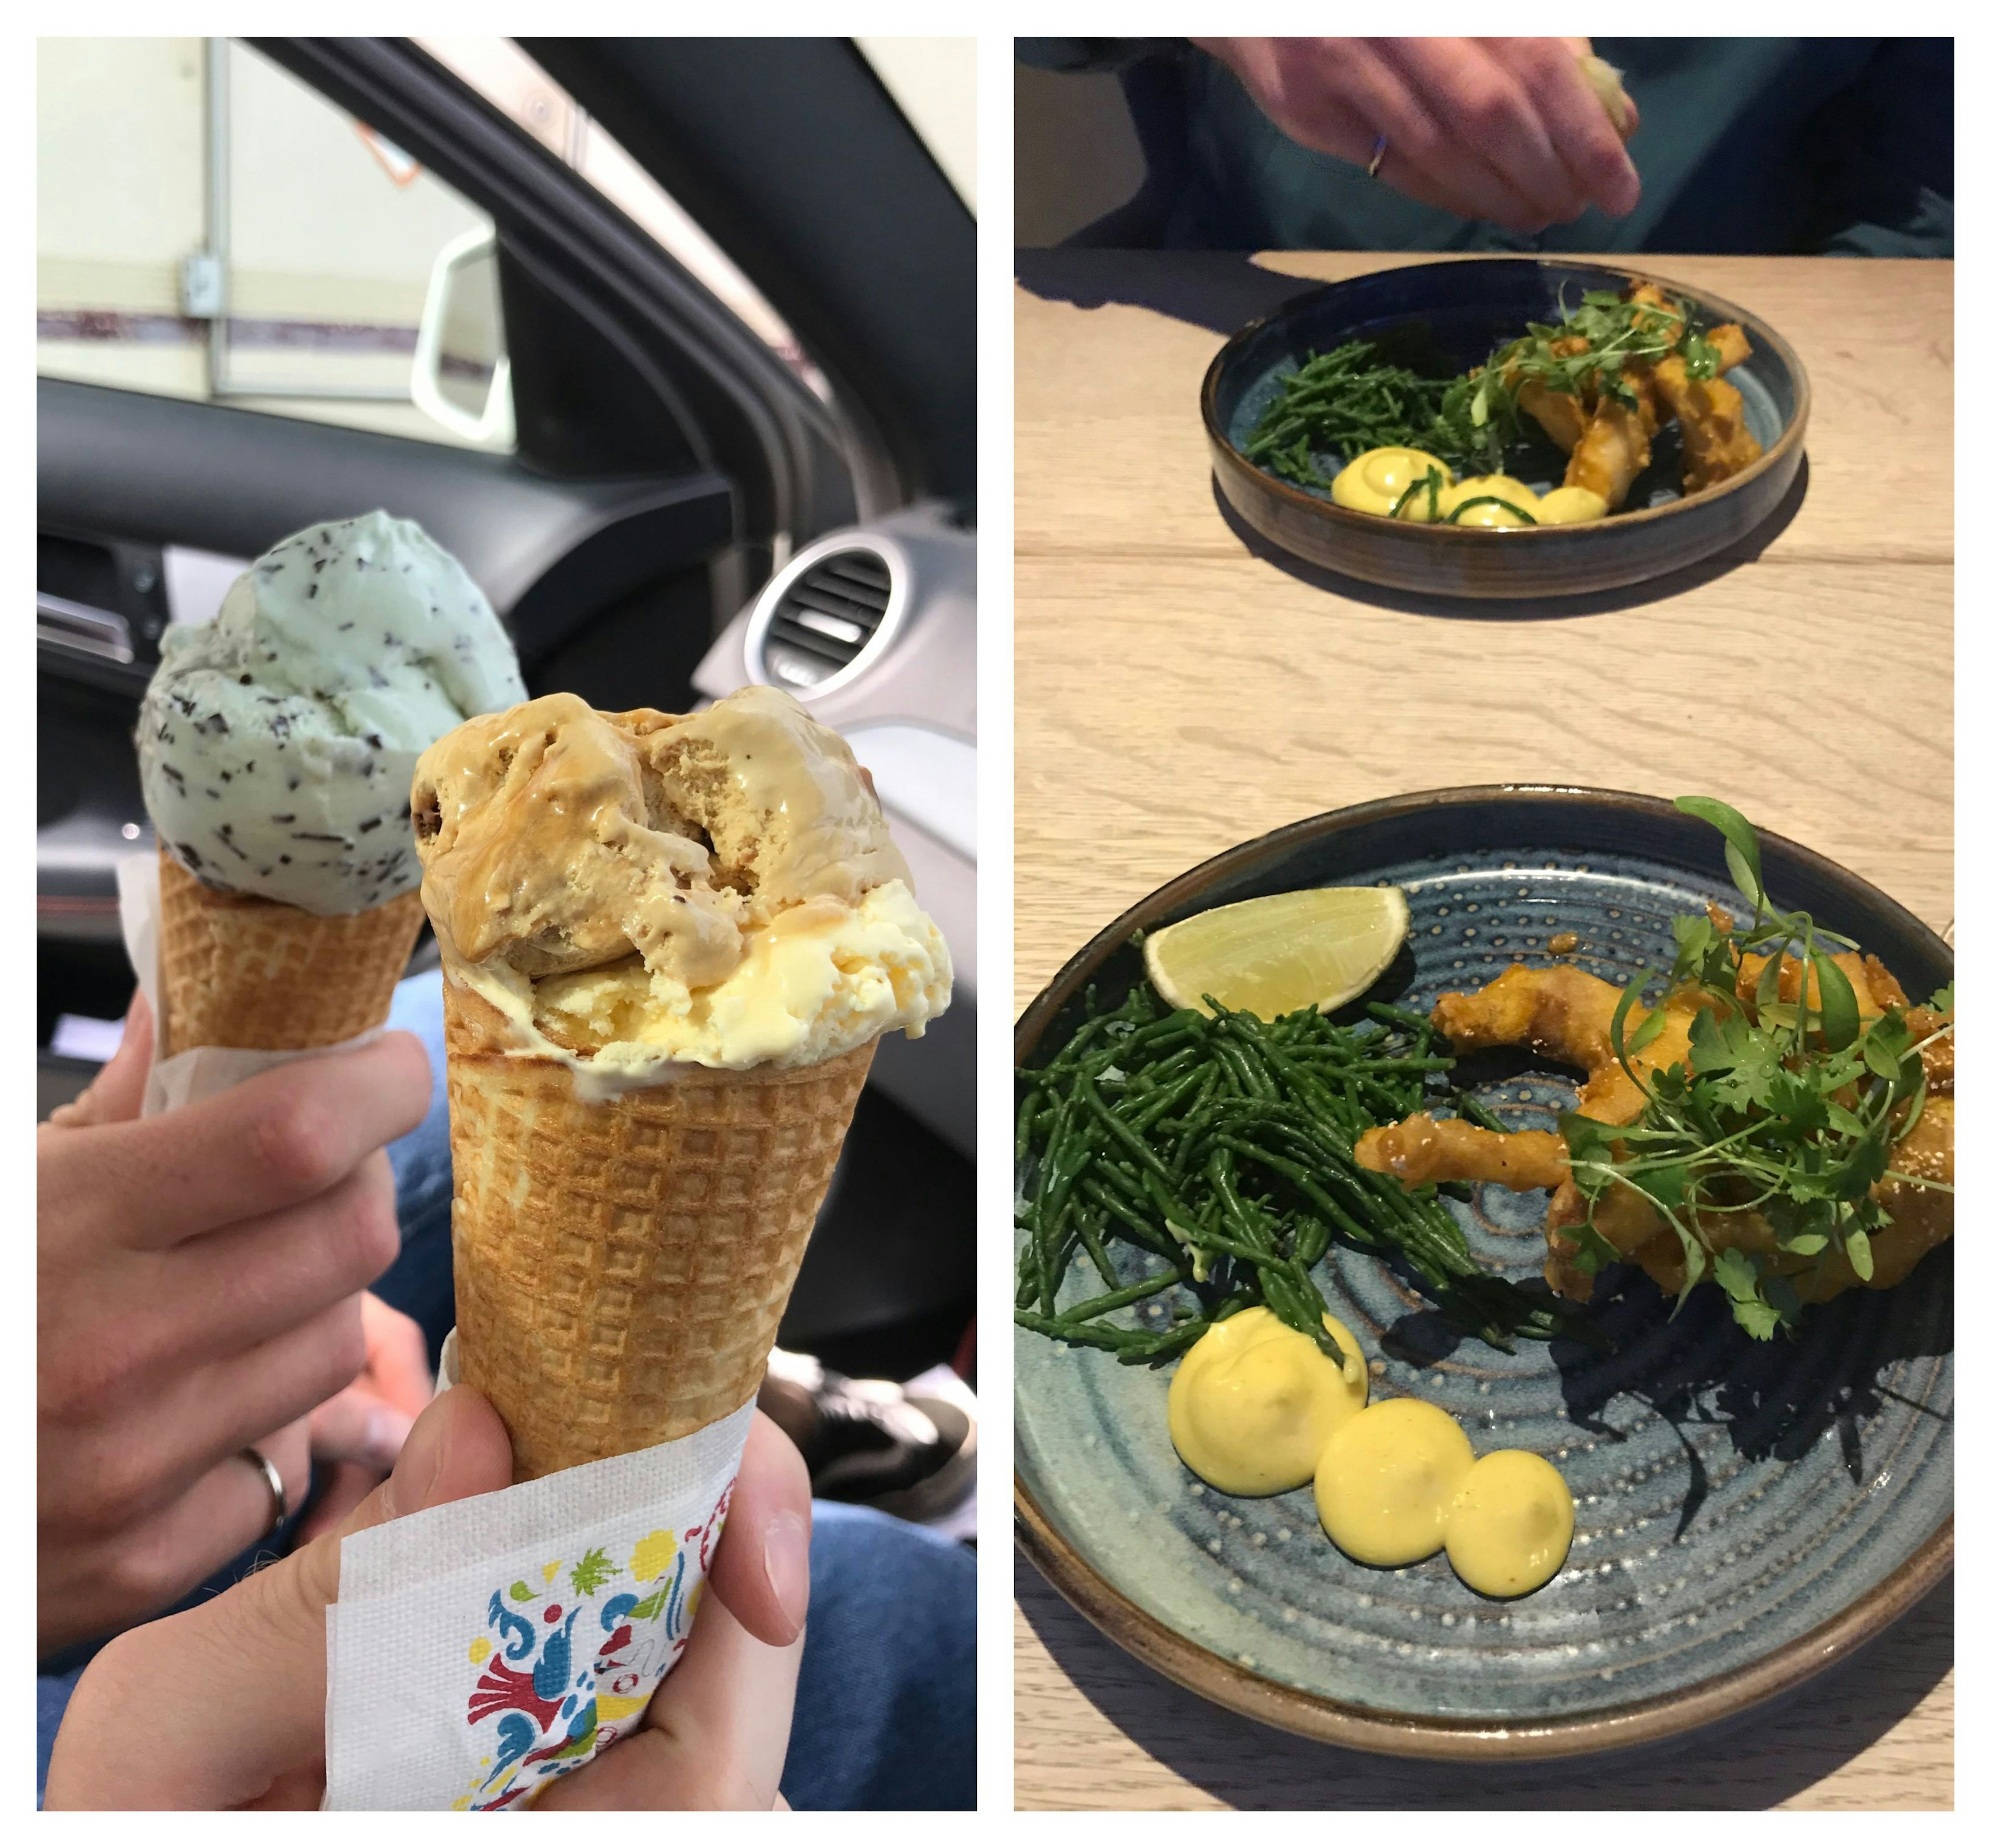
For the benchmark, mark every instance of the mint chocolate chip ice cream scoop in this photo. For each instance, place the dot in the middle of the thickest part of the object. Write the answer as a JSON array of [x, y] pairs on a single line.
[[277, 744]]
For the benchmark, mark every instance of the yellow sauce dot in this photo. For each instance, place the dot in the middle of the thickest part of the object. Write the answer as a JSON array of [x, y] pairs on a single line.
[[1387, 1480], [1253, 1401], [1511, 1526], [1570, 507], [1376, 480]]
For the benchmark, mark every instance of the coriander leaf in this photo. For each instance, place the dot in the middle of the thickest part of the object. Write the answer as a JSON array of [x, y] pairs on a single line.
[[1586, 1139], [1757, 1319], [1864, 1166], [1799, 1102], [1781, 1295], [1593, 1250], [1735, 1271], [1668, 1183]]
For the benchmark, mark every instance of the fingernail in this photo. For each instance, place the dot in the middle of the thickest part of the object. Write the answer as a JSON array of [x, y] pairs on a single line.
[[784, 1557], [386, 1431], [419, 1467]]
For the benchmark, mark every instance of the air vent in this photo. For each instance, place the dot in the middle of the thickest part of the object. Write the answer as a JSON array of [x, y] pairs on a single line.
[[823, 616]]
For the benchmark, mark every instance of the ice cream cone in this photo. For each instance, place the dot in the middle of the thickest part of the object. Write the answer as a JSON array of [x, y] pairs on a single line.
[[622, 1264], [240, 971]]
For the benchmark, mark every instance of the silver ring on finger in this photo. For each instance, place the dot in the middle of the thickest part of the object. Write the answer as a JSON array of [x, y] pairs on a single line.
[[273, 1481], [1375, 154]]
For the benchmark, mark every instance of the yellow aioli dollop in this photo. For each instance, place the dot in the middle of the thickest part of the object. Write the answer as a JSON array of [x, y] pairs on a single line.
[[1511, 1526], [1253, 1402], [1376, 480], [1386, 1481], [1476, 487], [1570, 506]]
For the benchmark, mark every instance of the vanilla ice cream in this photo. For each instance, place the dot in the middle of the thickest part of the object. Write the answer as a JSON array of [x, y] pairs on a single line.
[[276, 743], [634, 889]]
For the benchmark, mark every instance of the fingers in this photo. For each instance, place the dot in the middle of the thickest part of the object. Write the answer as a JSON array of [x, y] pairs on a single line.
[[122, 1465], [221, 1706], [343, 1487], [283, 1137], [761, 1570], [219, 1409], [397, 1356], [716, 1733], [1588, 145], [1505, 129], [229, 1289], [118, 1090], [458, 1448], [357, 1426], [1473, 127], [154, 1561]]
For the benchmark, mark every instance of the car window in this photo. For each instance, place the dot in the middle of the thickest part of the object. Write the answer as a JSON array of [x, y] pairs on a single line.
[[512, 82], [209, 227]]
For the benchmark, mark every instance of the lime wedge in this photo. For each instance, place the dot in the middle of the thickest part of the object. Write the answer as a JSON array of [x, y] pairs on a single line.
[[1268, 956]]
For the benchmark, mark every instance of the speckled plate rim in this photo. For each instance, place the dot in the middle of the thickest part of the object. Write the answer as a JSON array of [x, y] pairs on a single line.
[[1202, 1671], [1348, 520]]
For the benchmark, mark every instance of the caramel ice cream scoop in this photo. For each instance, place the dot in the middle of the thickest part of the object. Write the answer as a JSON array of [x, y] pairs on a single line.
[[640, 887]]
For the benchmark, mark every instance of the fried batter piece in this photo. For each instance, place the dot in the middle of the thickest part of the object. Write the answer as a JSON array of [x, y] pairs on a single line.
[[1610, 443], [1564, 1014], [1716, 440]]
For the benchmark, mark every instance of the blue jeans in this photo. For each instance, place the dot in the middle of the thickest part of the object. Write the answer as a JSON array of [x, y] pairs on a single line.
[[885, 1708]]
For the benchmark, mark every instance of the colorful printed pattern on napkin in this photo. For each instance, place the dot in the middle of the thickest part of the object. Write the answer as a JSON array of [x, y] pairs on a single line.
[[482, 1646], [565, 1667]]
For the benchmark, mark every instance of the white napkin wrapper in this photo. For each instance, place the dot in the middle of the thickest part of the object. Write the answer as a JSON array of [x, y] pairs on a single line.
[[480, 1649], [187, 1076]]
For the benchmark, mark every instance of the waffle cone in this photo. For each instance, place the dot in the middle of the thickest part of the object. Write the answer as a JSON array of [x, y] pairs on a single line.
[[236, 970], [622, 1265]]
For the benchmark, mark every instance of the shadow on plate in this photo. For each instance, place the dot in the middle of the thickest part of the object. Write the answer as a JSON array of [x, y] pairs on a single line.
[[1772, 1399], [1765, 1757], [1745, 550]]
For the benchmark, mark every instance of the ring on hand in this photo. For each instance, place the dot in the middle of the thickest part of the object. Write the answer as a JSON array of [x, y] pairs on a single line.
[[1375, 154], [279, 1501]]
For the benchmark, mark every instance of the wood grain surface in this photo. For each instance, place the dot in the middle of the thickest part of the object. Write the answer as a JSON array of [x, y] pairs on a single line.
[[1180, 688]]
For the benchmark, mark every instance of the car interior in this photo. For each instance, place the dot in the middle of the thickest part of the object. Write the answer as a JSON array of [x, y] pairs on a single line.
[[661, 506]]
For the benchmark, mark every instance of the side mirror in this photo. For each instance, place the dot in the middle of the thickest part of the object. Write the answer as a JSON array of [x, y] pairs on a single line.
[[462, 375]]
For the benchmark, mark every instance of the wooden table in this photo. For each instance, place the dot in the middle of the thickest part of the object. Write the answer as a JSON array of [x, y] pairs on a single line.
[[1178, 692]]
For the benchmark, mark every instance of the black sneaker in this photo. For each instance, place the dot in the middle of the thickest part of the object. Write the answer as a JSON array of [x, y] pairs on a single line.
[[910, 1454]]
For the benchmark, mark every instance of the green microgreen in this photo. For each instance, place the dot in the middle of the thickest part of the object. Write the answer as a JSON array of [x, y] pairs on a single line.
[[1785, 1110]]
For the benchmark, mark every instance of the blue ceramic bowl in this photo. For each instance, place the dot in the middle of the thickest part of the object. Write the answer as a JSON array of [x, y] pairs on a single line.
[[1746, 1513], [1447, 317]]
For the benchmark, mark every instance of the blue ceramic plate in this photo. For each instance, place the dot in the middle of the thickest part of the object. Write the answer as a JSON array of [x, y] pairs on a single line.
[[1445, 317], [1745, 1512]]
